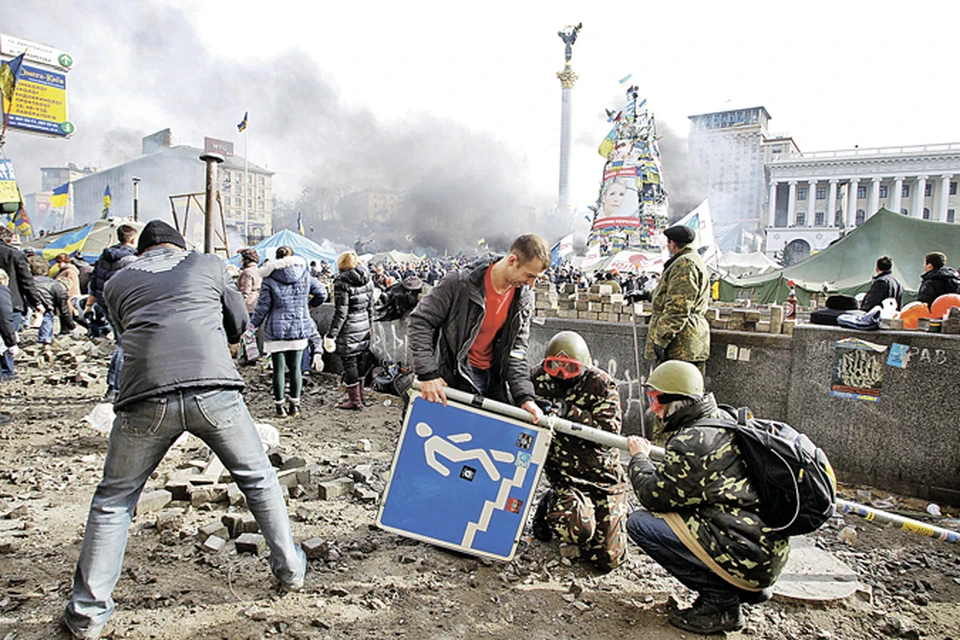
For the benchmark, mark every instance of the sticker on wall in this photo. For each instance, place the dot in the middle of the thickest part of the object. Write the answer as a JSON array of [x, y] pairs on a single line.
[[857, 370], [899, 355]]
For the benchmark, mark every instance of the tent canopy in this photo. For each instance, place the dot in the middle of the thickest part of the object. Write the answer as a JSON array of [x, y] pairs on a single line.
[[739, 265], [393, 256], [89, 239], [302, 246], [848, 265]]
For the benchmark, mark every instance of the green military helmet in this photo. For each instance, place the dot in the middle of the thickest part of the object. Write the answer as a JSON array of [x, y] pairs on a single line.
[[676, 377], [569, 344]]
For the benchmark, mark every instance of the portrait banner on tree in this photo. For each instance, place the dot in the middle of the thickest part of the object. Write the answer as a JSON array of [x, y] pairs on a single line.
[[858, 370]]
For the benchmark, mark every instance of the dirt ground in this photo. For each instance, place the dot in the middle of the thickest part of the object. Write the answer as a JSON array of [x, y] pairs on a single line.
[[373, 584]]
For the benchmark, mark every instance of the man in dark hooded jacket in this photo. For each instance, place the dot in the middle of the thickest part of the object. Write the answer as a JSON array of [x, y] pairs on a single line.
[[937, 278], [112, 260], [23, 294]]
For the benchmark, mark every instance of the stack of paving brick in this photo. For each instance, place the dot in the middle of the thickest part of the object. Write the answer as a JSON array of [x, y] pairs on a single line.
[[951, 324], [752, 319], [599, 303]]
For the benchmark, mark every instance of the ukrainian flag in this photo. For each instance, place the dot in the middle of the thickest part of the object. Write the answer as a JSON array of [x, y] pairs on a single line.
[[299, 216], [59, 197], [243, 123], [607, 144], [68, 243], [106, 203], [21, 222]]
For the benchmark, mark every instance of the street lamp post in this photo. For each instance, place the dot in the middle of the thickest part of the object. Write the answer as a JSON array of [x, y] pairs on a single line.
[[136, 199]]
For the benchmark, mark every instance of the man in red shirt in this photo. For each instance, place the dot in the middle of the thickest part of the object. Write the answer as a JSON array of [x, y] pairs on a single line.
[[471, 331]]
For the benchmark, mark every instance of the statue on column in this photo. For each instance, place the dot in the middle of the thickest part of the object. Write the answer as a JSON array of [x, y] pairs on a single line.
[[569, 36]]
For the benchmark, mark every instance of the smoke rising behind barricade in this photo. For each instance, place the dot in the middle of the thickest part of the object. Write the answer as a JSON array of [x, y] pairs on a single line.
[[684, 180], [460, 184]]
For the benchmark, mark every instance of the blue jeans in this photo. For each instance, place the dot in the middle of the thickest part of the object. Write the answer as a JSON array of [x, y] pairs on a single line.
[[142, 433], [657, 539], [45, 330], [6, 363]]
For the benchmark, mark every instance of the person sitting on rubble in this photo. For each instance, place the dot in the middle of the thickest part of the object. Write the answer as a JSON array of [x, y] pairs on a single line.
[[587, 502], [399, 300], [699, 518]]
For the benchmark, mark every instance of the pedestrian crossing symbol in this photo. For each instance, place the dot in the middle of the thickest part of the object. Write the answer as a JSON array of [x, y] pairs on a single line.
[[462, 478]]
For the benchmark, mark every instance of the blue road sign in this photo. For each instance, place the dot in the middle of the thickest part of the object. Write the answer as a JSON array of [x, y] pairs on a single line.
[[463, 478]]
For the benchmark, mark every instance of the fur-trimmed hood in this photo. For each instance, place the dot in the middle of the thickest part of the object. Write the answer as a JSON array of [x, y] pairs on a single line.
[[285, 270]]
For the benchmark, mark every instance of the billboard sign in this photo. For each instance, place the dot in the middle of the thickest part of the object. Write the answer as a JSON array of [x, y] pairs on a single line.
[[40, 103], [36, 52], [8, 182], [212, 145]]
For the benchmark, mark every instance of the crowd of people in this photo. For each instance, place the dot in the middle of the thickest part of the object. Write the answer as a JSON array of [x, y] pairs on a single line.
[[175, 313]]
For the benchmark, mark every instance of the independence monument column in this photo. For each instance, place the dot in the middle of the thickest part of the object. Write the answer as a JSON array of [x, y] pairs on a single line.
[[567, 80]]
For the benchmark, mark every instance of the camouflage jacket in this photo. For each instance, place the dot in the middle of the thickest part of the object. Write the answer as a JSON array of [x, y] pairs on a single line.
[[679, 304], [703, 479], [593, 400]]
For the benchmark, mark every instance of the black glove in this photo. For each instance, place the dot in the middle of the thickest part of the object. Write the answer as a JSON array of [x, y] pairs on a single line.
[[660, 353]]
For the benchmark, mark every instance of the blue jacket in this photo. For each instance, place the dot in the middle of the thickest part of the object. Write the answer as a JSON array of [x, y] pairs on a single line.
[[284, 296], [109, 263]]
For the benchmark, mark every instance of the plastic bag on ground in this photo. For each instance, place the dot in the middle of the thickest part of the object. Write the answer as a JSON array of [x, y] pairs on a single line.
[[269, 436]]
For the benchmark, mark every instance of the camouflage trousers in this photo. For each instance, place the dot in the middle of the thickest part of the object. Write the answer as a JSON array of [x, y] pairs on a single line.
[[594, 521]]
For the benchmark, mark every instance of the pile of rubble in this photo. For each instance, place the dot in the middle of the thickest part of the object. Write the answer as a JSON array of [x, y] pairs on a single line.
[[78, 361], [206, 486]]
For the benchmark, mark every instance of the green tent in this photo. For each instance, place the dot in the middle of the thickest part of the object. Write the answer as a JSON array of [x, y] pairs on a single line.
[[848, 265]]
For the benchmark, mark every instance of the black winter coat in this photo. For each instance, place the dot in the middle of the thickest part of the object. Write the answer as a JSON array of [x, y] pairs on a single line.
[[108, 264], [6, 318], [446, 322], [938, 282], [884, 286], [353, 311], [22, 290]]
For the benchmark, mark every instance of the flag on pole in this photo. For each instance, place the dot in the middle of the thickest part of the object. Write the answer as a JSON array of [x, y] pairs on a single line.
[[300, 225], [59, 196], [626, 79], [243, 123], [608, 143], [9, 71], [106, 203], [20, 221], [481, 242]]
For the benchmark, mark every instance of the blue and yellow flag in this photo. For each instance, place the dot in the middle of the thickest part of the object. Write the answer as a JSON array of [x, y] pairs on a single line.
[[68, 243], [607, 144], [59, 196], [243, 123], [481, 242], [106, 203], [8, 76], [300, 225], [20, 222]]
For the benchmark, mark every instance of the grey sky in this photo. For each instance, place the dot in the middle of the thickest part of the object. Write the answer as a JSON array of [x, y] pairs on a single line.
[[326, 83]]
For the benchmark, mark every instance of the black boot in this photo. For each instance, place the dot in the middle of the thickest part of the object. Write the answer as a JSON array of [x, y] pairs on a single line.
[[293, 407], [541, 529], [706, 618], [281, 409]]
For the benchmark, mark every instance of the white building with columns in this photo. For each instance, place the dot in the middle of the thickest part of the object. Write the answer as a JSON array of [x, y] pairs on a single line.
[[814, 197]]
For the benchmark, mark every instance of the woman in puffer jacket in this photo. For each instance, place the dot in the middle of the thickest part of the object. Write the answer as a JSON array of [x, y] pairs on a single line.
[[282, 308], [350, 330]]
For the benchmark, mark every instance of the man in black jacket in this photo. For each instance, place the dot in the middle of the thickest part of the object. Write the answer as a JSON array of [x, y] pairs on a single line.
[[884, 286], [937, 278], [471, 330], [22, 291], [177, 311], [111, 261]]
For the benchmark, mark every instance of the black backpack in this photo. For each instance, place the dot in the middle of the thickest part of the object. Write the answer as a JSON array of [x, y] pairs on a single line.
[[796, 484]]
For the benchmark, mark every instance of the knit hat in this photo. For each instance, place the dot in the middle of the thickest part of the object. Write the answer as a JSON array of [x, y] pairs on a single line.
[[680, 234], [159, 232]]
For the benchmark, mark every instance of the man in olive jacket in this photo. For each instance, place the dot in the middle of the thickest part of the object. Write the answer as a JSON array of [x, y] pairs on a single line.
[[471, 331], [678, 327], [700, 509]]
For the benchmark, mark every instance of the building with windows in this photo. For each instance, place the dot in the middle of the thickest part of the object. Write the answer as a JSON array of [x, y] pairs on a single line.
[[371, 205], [164, 171], [731, 149], [804, 201], [814, 197]]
